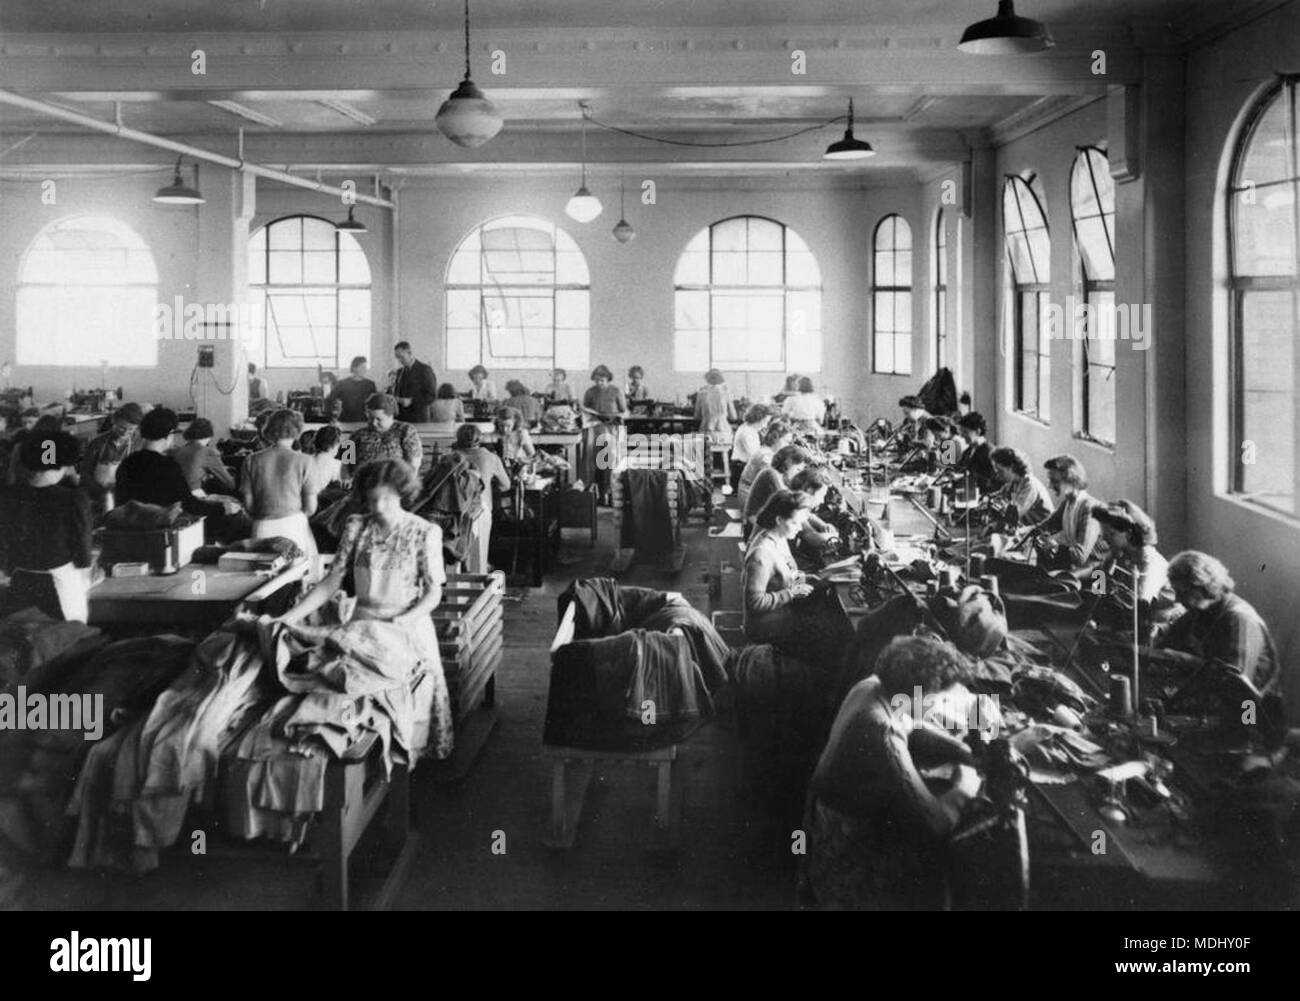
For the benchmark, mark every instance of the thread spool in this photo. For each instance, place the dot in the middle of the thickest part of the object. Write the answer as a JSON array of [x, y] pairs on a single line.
[[1121, 696], [989, 583], [934, 498]]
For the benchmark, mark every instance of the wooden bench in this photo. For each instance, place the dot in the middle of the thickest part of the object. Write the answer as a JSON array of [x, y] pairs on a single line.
[[471, 624]]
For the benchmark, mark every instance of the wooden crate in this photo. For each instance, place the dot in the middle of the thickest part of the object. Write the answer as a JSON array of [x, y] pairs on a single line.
[[470, 623]]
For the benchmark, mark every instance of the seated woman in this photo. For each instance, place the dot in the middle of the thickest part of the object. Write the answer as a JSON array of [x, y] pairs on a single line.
[[528, 406], [1130, 535], [279, 492], [1219, 626], [786, 463], [516, 443], [480, 386], [713, 407], [559, 390], [914, 416], [385, 437], [326, 467], [493, 474], [813, 483], [202, 464], [791, 388], [747, 441], [1071, 536], [775, 436], [771, 578], [876, 831], [1021, 489], [45, 526], [394, 560], [977, 459], [636, 388], [805, 410], [447, 408]]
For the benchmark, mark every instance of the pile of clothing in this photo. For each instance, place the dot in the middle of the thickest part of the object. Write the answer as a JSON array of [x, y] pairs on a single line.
[[640, 672]]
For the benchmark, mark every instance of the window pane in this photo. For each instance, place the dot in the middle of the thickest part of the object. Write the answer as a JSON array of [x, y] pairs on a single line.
[[318, 268], [285, 234], [1268, 158], [1268, 342], [572, 309], [692, 311], [353, 268], [730, 235], [464, 268], [1094, 249], [286, 267], [1101, 402], [692, 268], [729, 269], [690, 351], [354, 312], [765, 269], [903, 354], [462, 348], [884, 352], [885, 272], [572, 350], [764, 236], [318, 235], [1264, 232]]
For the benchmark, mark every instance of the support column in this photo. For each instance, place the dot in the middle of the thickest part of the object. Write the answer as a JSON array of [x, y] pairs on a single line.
[[982, 345], [222, 290]]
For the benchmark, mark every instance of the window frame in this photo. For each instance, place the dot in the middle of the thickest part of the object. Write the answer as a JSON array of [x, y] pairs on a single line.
[[939, 321], [1089, 286], [341, 359], [877, 290], [1041, 412], [713, 288], [1287, 88]]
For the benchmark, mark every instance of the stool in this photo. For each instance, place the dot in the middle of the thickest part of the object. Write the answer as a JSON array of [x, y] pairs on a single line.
[[573, 768]]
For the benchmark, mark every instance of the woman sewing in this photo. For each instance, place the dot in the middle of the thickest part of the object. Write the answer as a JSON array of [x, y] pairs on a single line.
[[775, 436], [394, 559], [385, 437], [772, 580], [1130, 535], [805, 409], [786, 463], [1021, 490], [516, 443], [480, 386], [448, 407], [636, 388]]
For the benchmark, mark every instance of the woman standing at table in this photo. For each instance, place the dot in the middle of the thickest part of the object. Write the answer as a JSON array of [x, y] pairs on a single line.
[[481, 387], [45, 528], [604, 406], [713, 407], [447, 408], [775, 436], [394, 559], [772, 580], [279, 488], [493, 474], [747, 442]]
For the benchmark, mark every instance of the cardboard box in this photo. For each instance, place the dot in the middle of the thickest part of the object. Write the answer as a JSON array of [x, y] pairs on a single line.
[[150, 545]]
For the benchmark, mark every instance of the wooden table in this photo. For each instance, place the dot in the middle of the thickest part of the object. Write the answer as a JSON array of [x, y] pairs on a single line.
[[197, 596]]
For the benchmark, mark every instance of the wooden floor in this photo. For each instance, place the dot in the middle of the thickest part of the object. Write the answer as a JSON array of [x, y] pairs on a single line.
[[733, 854]]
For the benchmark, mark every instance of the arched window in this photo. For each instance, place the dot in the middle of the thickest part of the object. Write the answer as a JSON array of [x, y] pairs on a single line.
[[939, 275], [1092, 209], [309, 288], [748, 298], [1264, 220], [87, 288], [1029, 251], [518, 297], [891, 296]]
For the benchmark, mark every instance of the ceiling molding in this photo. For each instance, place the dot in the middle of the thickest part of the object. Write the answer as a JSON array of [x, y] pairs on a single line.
[[1038, 115]]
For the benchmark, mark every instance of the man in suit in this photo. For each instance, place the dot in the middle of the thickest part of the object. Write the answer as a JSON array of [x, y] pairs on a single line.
[[414, 386]]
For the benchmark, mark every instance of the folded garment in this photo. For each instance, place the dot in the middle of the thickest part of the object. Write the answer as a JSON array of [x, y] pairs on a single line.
[[139, 516]]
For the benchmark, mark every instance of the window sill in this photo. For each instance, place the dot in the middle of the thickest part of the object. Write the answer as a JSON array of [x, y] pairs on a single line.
[[1280, 518], [1031, 419], [1097, 443]]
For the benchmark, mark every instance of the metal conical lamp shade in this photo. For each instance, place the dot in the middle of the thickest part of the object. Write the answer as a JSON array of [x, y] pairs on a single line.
[[583, 206], [178, 193], [1006, 34], [623, 231], [467, 117], [848, 148], [350, 224]]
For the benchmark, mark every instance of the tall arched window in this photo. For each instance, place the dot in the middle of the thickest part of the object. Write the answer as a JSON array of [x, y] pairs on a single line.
[[87, 288], [1029, 251], [309, 288], [1092, 209], [939, 274], [748, 298], [518, 297], [891, 296], [1264, 220]]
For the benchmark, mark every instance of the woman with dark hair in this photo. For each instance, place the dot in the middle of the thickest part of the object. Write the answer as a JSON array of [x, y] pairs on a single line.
[[1071, 533], [200, 462], [45, 528], [604, 407], [914, 416], [530, 410], [776, 435], [786, 463], [279, 492], [814, 484], [1130, 535], [713, 407], [747, 441], [385, 437], [326, 467], [1025, 491], [480, 386], [347, 401], [516, 443], [447, 408], [394, 559], [771, 578], [877, 834], [493, 474], [805, 410], [559, 390], [636, 389], [977, 459]]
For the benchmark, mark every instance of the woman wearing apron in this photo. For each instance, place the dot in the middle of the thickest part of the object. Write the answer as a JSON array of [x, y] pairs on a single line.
[[279, 488], [45, 528], [603, 406], [395, 560]]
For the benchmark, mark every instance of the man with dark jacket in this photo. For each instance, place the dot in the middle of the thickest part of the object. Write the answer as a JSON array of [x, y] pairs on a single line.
[[414, 386]]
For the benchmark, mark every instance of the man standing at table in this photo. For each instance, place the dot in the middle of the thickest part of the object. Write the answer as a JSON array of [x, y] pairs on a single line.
[[414, 385]]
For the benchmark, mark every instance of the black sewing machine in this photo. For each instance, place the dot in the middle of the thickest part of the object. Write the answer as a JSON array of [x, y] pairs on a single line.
[[310, 404], [94, 401]]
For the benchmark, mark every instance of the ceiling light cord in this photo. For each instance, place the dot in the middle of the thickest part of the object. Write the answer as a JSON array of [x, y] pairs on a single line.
[[466, 39], [587, 116]]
